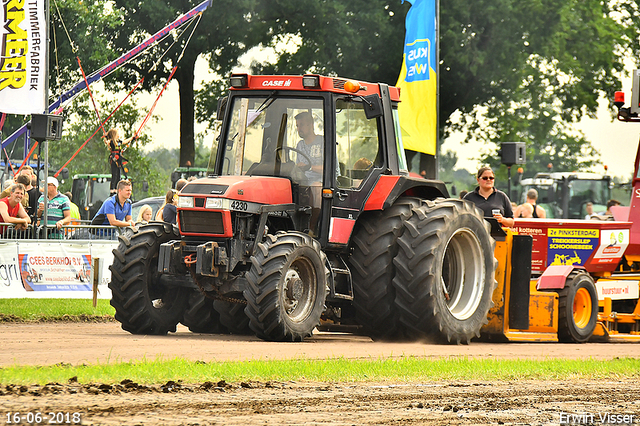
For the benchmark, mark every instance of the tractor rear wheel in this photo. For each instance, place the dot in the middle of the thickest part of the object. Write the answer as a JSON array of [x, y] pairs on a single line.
[[445, 267], [143, 304], [232, 317], [578, 308], [287, 287], [375, 245], [200, 316]]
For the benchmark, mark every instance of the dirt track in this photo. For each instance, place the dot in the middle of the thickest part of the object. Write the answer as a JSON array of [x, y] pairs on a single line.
[[77, 343], [463, 402]]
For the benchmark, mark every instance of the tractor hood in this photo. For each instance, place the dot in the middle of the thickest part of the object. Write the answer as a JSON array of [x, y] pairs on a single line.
[[253, 189]]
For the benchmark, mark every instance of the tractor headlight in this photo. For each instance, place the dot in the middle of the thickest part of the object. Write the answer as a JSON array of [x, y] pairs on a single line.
[[185, 202], [214, 203]]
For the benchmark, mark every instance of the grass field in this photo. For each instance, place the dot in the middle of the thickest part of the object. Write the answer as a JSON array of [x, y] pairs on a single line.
[[53, 309], [333, 370], [407, 370]]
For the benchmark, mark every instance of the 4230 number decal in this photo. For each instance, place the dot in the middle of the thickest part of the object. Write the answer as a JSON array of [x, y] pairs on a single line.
[[239, 205]]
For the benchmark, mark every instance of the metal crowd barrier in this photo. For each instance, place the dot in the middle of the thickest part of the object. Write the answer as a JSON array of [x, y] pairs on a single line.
[[83, 231]]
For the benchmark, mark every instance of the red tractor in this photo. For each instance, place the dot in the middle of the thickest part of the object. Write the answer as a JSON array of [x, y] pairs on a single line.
[[309, 217]]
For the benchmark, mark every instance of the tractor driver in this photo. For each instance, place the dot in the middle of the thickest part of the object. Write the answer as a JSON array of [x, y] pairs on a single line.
[[311, 145]]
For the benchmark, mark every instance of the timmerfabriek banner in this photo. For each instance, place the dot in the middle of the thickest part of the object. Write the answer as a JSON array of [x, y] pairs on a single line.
[[418, 81], [22, 56]]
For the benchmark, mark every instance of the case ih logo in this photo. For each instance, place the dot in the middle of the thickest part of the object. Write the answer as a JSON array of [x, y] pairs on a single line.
[[276, 83]]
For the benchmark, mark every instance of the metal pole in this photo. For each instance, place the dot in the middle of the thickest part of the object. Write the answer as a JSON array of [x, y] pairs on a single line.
[[45, 144], [509, 182], [437, 40]]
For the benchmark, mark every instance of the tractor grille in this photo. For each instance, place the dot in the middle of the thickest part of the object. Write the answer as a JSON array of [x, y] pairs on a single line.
[[206, 188], [338, 84], [201, 222]]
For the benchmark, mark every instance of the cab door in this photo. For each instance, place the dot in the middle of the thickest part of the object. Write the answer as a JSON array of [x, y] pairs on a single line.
[[360, 161]]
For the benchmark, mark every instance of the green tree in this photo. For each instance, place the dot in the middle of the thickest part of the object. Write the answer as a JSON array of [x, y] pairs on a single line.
[[94, 157], [514, 70], [227, 30]]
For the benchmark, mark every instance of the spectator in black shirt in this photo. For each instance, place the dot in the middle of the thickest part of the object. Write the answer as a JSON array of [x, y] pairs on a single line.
[[169, 211], [493, 202]]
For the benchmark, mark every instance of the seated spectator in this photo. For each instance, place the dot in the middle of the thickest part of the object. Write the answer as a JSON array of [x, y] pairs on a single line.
[[181, 183], [12, 210], [75, 210], [606, 215], [58, 209], [170, 212], [24, 180], [115, 211], [530, 209], [144, 215], [589, 209]]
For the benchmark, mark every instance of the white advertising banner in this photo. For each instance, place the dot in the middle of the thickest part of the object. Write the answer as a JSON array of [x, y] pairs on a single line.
[[54, 270], [10, 278], [22, 57]]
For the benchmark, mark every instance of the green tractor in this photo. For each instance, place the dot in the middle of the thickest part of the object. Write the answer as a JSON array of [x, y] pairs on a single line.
[[90, 190], [185, 173]]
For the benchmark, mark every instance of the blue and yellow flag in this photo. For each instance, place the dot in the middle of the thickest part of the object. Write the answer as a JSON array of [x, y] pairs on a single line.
[[418, 80]]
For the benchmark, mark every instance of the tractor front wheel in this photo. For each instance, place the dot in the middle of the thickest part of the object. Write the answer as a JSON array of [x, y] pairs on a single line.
[[143, 304], [287, 287]]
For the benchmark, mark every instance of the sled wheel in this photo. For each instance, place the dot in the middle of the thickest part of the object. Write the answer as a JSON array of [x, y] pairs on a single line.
[[287, 287], [445, 270], [578, 308], [375, 245], [143, 305]]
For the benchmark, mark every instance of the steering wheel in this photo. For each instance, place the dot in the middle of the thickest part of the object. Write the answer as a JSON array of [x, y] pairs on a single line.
[[297, 151]]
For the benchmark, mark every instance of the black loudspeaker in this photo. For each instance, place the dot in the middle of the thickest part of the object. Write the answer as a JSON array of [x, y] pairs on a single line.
[[513, 153], [46, 127]]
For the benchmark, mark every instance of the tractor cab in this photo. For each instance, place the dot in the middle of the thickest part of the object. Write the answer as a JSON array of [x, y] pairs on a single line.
[[330, 138], [564, 195], [89, 192]]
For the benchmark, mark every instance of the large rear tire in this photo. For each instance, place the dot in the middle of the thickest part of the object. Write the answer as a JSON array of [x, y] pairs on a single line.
[[287, 287], [578, 308], [200, 316], [375, 245], [142, 304], [232, 317], [445, 270]]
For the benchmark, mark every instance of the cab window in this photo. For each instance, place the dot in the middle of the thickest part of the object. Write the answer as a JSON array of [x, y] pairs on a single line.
[[358, 146]]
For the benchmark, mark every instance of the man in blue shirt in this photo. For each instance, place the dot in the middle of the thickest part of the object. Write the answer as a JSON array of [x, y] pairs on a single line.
[[116, 210], [58, 208]]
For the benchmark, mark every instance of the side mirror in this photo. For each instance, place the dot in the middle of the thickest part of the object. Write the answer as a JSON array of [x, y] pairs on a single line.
[[64, 173], [175, 176], [222, 105], [372, 106], [145, 186]]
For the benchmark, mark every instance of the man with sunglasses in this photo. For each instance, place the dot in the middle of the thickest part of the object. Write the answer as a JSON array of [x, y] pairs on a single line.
[[493, 202]]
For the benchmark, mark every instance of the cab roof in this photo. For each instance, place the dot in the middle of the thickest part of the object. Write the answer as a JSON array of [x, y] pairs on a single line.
[[309, 82]]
